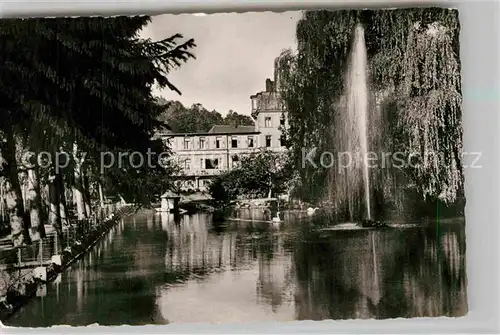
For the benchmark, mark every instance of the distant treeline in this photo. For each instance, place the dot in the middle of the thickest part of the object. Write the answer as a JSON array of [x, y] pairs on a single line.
[[197, 118]]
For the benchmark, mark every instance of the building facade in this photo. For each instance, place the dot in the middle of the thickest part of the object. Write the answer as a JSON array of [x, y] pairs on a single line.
[[204, 155], [270, 117]]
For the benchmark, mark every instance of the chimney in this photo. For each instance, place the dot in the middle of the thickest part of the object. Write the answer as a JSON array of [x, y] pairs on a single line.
[[269, 85]]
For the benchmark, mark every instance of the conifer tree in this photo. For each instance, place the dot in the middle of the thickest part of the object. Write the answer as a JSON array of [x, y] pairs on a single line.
[[85, 83]]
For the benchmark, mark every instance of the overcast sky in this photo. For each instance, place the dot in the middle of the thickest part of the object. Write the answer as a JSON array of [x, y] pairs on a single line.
[[234, 55]]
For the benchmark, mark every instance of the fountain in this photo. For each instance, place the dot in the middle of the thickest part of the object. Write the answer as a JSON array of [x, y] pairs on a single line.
[[351, 131]]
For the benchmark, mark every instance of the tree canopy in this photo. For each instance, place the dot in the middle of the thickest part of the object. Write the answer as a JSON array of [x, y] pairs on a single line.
[[256, 176], [83, 86], [197, 118], [87, 80]]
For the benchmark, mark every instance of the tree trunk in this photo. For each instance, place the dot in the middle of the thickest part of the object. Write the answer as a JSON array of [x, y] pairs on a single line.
[[86, 194], [15, 212], [45, 192], [34, 206], [41, 201], [18, 223], [101, 195], [55, 211], [63, 209], [3, 207], [101, 203], [23, 184]]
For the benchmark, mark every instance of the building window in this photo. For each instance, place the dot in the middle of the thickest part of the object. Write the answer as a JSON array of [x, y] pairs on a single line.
[[267, 122], [202, 143], [218, 142], [211, 164], [268, 140], [235, 160], [250, 142], [187, 164], [234, 142], [186, 143], [282, 120]]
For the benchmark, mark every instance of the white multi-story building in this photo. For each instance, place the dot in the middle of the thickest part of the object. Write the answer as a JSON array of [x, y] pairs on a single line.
[[204, 155]]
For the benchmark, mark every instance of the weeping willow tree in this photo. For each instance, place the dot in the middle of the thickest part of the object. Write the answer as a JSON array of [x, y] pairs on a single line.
[[415, 101]]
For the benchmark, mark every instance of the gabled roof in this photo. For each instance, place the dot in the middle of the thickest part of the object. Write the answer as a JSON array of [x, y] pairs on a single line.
[[226, 129]]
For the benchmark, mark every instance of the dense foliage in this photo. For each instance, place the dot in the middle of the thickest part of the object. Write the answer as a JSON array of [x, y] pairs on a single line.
[[256, 176], [84, 86], [197, 118], [415, 106]]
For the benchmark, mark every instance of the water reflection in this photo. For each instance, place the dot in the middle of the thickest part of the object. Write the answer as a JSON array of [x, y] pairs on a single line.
[[395, 273], [155, 269]]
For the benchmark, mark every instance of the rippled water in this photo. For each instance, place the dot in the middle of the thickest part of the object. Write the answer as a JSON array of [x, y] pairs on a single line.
[[154, 270]]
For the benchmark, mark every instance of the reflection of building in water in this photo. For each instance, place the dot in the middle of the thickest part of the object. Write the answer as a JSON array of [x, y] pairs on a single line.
[[276, 284], [150, 222], [255, 282], [166, 219], [191, 246]]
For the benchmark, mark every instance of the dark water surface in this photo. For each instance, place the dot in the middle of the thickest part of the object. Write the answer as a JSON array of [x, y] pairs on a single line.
[[152, 270]]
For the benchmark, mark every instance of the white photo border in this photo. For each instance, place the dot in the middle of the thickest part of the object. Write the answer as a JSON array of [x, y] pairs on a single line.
[[480, 59]]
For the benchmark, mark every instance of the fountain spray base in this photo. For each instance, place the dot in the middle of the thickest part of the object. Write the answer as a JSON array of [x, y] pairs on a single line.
[[372, 224]]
